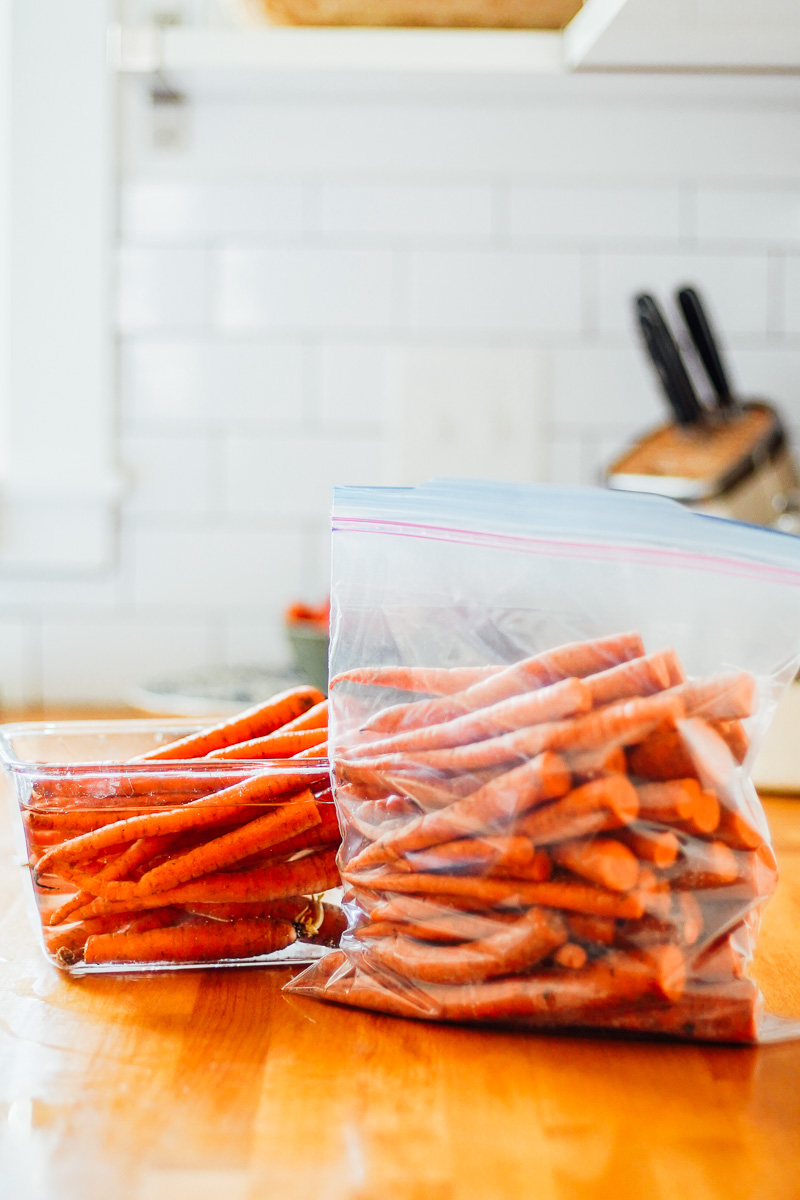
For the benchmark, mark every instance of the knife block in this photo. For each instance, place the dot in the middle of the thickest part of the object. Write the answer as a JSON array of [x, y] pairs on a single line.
[[736, 466]]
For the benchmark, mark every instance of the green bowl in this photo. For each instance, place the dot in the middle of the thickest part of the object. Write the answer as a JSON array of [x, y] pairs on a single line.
[[310, 650]]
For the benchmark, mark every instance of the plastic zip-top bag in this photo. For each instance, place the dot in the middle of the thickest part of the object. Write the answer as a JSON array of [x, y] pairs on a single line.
[[545, 704]]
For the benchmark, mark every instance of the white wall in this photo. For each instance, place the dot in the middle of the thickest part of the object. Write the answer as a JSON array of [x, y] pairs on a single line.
[[321, 256]]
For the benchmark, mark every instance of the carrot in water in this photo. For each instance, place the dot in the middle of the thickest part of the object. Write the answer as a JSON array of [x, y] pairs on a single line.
[[192, 942], [254, 722], [514, 947], [496, 802], [552, 703], [577, 659]]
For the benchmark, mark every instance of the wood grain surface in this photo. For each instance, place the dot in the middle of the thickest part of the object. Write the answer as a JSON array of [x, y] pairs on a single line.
[[204, 1084]]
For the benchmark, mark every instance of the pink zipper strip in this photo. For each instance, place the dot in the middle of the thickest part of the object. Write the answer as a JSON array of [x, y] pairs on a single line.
[[565, 549]]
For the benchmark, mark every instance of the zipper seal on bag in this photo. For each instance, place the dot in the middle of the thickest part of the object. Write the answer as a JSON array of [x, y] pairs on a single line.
[[589, 551]]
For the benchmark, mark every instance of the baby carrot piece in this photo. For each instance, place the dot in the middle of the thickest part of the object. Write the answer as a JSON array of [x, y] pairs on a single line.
[[734, 735], [508, 893], [205, 941], [603, 804], [704, 865], [593, 764], [493, 804], [600, 860], [254, 722], [637, 677], [515, 947], [282, 744], [571, 955], [575, 660], [742, 825], [434, 681], [559, 700], [657, 846], [586, 927], [300, 814], [660, 756], [669, 802]]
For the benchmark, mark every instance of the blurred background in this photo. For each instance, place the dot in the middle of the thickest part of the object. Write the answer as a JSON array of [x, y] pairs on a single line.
[[238, 267]]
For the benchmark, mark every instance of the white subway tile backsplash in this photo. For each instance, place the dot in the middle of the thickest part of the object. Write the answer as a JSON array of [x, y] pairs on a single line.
[[407, 210], [91, 657], [354, 383], [601, 385], [791, 298], [498, 291], [293, 477], [169, 475], [20, 661], [175, 212], [166, 287], [749, 215], [304, 288], [580, 212], [204, 566], [733, 285], [211, 382], [771, 374]]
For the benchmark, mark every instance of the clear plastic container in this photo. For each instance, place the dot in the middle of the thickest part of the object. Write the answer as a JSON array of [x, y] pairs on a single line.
[[154, 865]]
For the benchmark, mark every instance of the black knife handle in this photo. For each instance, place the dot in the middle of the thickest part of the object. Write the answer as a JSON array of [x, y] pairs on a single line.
[[706, 344], [667, 360]]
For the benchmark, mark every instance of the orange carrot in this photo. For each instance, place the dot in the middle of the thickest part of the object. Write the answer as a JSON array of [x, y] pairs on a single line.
[[741, 822], [719, 697], [315, 873], [217, 807], [435, 681], [704, 865], [587, 927], [620, 724], [603, 804], [571, 955], [514, 947], [657, 846], [275, 745], [192, 942], [484, 856], [431, 920], [318, 751], [292, 908], [315, 717], [564, 699], [600, 860], [593, 764], [637, 677], [577, 659], [478, 813], [254, 722], [507, 893]]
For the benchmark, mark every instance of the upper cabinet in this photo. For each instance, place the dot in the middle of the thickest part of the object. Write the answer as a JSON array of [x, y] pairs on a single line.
[[644, 35]]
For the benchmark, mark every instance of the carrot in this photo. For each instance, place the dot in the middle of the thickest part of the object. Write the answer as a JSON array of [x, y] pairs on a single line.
[[315, 873], [318, 751], [577, 659], [485, 856], [192, 942], [720, 961], [289, 820], [564, 699], [292, 908], [621, 724], [592, 764], [657, 846], [571, 955], [254, 722], [734, 736], [704, 865], [281, 744], [508, 893], [138, 852], [603, 804], [315, 717], [704, 1013], [600, 860], [637, 677], [719, 697], [742, 823], [478, 813], [436, 681], [588, 927], [429, 920], [662, 755], [514, 947], [217, 807], [669, 802]]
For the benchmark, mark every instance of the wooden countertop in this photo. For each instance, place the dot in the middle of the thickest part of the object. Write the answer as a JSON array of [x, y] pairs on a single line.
[[202, 1084]]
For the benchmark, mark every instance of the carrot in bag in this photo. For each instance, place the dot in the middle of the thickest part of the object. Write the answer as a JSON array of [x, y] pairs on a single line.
[[652, 848]]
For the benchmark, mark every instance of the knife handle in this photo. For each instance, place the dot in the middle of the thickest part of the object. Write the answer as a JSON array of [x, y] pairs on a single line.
[[668, 362], [706, 344]]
